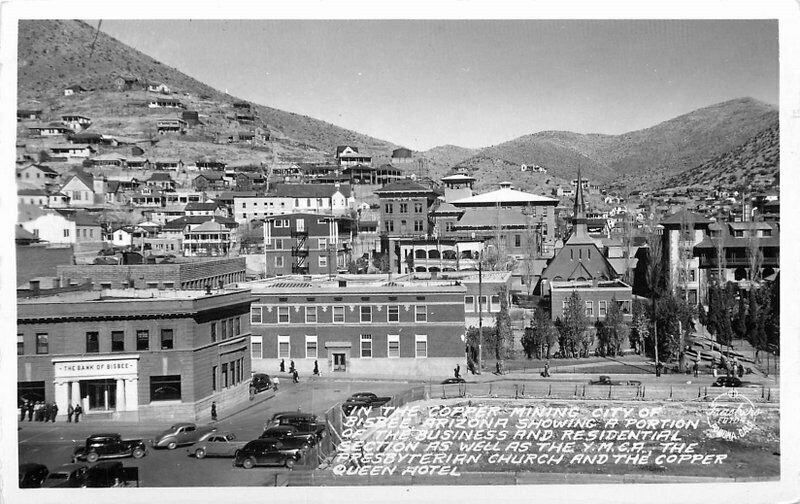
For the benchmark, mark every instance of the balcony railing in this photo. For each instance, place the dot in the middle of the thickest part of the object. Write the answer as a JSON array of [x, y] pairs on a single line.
[[295, 233], [736, 262]]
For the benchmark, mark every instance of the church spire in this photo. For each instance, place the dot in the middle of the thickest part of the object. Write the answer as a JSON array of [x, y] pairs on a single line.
[[579, 228]]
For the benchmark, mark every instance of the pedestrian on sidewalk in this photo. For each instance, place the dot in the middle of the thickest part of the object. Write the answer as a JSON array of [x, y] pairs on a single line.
[[295, 376], [78, 413], [471, 366], [457, 371], [696, 367], [316, 368], [30, 411], [275, 383], [214, 411], [70, 412], [23, 409], [53, 412], [546, 369], [283, 366], [291, 367], [38, 411]]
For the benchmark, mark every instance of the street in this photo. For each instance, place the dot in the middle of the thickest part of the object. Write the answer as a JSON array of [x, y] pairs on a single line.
[[52, 444]]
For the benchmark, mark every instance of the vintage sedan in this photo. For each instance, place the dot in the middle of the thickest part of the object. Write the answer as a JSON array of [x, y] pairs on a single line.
[[66, 476], [216, 444], [294, 447], [263, 452], [363, 400], [105, 446], [306, 432], [111, 475], [32, 475], [181, 434]]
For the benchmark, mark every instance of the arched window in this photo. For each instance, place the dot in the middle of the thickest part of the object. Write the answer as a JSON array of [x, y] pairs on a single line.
[[434, 254], [420, 254]]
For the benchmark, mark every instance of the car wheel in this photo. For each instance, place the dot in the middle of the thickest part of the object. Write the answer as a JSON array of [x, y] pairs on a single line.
[[248, 463], [200, 453], [172, 445], [91, 457], [138, 453], [289, 463]]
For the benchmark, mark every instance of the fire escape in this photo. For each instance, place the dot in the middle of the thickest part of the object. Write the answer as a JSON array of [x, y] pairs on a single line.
[[299, 251]]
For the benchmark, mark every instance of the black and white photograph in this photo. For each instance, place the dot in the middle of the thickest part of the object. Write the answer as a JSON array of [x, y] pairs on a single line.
[[362, 254]]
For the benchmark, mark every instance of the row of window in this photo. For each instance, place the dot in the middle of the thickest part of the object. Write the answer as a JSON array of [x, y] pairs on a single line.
[[228, 328], [493, 306], [322, 243], [602, 306], [419, 226], [365, 346], [232, 374], [131, 284], [322, 261], [300, 224], [311, 314], [403, 207], [117, 338]]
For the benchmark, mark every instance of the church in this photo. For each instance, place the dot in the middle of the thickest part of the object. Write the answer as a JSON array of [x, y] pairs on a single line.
[[580, 266]]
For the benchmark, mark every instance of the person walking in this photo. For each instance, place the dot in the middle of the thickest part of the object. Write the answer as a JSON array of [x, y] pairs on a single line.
[[276, 383], [291, 367], [214, 411], [283, 366], [37, 411], [23, 409], [295, 376], [696, 367], [546, 368], [70, 412], [53, 412], [316, 368], [78, 412], [30, 411]]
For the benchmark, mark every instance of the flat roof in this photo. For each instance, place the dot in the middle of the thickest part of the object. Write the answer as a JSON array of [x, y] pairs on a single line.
[[299, 284], [127, 295]]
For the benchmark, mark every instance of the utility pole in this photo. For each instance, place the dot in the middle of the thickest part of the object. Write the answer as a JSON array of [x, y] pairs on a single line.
[[480, 312], [655, 339]]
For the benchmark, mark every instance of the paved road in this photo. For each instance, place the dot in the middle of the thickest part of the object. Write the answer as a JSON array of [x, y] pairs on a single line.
[[52, 444]]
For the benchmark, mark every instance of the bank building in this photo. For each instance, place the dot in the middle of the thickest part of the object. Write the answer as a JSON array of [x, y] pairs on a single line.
[[135, 354]]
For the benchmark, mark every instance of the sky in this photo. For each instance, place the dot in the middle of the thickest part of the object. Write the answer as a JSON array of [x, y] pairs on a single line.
[[472, 83]]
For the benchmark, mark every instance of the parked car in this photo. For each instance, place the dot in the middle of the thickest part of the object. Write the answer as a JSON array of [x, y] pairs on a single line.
[[289, 418], [217, 444], [32, 475], [104, 446], [66, 476], [184, 433], [606, 380], [260, 382], [294, 447], [727, 381], [452, 381], [263, 452], [110, 474], [307, 432], [363, 400]]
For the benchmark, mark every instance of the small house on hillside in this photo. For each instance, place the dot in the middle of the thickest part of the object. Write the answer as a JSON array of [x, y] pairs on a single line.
[[402, 155], [240, 105], [51, 129], [168, 164], [128, 83], [347, 155], [171, 125], [76, 122], [29, 115], [69, 151], [245, 117], [161, 181], [74, 89], [164, 102], [191, 117], [159, 88]]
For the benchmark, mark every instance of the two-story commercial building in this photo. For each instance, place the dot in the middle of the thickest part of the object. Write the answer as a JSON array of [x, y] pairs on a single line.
[[358, 325], [136, 354]]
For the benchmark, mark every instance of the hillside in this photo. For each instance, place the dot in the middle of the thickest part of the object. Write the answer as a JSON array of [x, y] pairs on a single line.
[[54, 54], [755, 163], [642, 157]]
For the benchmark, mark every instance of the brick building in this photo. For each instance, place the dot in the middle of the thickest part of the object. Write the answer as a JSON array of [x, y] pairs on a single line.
[[135, 354], [359, 325], [187, 274], [306, 243]]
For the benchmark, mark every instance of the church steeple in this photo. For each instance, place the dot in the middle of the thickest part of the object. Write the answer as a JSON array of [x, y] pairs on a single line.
[[579, 228]]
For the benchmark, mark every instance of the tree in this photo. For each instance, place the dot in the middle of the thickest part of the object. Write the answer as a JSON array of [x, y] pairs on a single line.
[[615, 329], [655, 267], [755, 258], [504, 335], [474, 340], [640, 328], [572, 326], [540, 336], [673, 316]]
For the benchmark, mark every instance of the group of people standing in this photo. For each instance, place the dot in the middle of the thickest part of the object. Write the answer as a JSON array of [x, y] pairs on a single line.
[[40, 411]]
